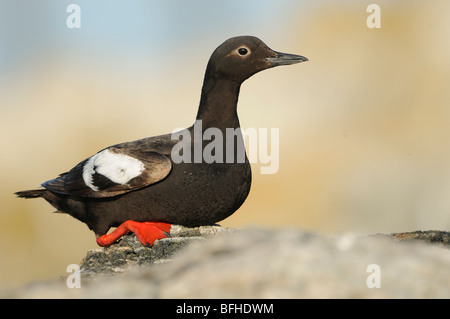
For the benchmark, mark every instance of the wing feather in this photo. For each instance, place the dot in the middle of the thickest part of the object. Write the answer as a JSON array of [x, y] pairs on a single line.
[[113, 171]]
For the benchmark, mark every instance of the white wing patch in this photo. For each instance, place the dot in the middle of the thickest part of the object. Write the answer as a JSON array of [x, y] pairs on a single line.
[[119, 168]]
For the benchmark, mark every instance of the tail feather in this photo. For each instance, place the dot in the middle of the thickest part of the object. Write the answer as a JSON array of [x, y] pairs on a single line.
[[34, 193]]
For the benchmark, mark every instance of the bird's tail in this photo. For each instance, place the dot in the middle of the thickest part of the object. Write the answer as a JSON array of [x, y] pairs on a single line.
[[34, 193]]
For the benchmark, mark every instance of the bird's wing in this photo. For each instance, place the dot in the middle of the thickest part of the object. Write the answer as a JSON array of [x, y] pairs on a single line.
[[113, 171]]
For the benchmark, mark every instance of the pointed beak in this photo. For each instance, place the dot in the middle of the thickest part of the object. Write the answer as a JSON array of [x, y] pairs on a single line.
[[285, 59]]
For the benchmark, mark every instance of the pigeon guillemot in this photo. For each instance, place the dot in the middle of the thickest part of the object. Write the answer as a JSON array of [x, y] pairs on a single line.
[[139, 187]]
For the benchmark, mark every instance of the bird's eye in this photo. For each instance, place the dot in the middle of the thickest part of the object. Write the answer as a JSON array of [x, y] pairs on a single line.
[[242, 51]]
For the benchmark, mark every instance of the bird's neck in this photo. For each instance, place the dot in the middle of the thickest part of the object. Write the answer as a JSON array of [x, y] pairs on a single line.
[[218, 103]]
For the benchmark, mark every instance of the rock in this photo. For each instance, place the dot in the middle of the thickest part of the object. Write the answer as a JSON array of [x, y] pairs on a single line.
[[265, 263], [440, 238], [129, 252]]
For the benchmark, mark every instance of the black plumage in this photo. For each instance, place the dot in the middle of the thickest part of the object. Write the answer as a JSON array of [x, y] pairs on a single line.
[[139, 181]]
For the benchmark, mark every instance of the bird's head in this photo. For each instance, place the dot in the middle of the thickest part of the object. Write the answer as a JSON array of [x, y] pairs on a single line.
[[240, 57]]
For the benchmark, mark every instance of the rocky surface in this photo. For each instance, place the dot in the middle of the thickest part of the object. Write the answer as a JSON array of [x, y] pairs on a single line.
[[129, 252], [261, 263], [440, 238]]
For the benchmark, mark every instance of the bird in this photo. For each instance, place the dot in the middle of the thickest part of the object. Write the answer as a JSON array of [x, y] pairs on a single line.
[[144, 186]]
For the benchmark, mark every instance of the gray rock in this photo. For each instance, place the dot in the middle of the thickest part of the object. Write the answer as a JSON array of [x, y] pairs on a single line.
[[437, 237], [129, 252], [267, 263]]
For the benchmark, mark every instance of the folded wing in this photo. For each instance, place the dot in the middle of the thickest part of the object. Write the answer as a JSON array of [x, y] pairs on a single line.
[[111, 172]]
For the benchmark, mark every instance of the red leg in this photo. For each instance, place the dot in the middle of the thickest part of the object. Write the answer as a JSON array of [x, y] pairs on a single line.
[[146, 232]]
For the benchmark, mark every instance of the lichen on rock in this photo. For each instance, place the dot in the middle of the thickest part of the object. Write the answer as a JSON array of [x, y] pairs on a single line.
[[129, 252], [261, 263]]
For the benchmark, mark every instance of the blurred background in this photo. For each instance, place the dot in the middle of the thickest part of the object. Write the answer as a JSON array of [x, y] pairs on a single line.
[[364, 125]]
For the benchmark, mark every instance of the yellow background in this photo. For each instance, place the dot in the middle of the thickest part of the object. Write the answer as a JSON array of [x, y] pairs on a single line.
[[364, 125]]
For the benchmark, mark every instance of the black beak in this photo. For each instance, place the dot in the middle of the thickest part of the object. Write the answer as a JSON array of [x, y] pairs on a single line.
[[285, 59]]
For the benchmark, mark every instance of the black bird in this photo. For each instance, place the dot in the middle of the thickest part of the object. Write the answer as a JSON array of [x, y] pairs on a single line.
[[140, 187]]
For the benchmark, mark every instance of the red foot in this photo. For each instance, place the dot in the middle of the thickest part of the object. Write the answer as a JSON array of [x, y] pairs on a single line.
[[146, 232]]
